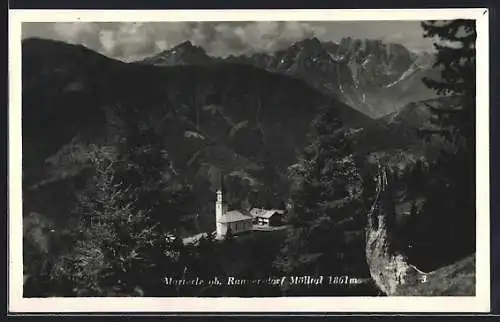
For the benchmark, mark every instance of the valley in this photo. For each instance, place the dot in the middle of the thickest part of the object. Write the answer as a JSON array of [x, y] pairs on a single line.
[[114, 151]]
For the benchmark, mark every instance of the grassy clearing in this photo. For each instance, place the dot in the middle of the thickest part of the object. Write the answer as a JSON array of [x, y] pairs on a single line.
[[458, 279]]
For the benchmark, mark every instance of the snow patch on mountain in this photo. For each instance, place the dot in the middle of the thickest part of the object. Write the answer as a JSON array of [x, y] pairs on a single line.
[[409, 72]]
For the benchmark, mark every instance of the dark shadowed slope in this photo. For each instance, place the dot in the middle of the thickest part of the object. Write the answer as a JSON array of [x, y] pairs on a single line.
[[237, 119], [372, 76]]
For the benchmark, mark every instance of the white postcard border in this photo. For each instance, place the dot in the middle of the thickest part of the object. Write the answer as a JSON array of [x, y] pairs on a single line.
[[478, 303]]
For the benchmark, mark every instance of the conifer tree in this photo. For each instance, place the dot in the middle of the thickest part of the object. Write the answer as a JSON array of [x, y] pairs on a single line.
[[129, 211], [323, 200], [456, 58], [449, 211]]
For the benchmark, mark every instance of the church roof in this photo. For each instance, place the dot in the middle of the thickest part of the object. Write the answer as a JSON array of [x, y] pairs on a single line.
[[233, 216], [265, 213]]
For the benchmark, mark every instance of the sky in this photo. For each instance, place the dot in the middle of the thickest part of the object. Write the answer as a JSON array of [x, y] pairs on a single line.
[[134, 40]]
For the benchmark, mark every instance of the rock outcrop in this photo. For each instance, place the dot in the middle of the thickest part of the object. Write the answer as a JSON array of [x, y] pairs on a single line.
[[390, 269]]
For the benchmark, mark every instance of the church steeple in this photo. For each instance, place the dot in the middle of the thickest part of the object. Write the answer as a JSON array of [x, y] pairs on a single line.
[[220, 209], [219, 214], [219, 201]]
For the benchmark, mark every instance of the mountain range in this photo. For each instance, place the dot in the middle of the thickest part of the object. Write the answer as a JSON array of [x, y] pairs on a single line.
[[374, 77], [245, 117], [212, 120]]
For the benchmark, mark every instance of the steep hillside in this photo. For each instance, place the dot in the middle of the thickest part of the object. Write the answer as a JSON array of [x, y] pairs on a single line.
[[381, 80], [211, 118], [374, 77], [371, 76], [417, 115]]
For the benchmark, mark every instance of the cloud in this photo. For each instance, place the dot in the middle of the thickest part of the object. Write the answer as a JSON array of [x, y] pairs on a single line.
[[107, 40], [83, 33], [129, 40], [266, 36]]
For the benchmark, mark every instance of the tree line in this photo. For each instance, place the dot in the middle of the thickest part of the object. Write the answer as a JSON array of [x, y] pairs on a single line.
[[129, 212]]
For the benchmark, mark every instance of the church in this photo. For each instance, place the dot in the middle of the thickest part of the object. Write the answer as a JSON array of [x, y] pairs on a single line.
[[234, 220]]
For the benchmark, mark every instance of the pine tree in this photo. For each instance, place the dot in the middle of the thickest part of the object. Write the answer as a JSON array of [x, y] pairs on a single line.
[[323, 200], [456, 58], [449, 211], [129, 214], [121, 249]]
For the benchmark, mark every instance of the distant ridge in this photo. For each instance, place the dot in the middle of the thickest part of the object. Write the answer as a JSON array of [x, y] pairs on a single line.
[[372, 76]]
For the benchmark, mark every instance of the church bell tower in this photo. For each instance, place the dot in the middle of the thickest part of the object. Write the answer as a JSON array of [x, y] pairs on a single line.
[[218, 206], [219, 215], [220, 211]]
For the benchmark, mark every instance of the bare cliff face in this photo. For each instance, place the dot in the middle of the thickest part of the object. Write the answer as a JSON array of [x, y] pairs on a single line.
[[390, 269], [371, 76]]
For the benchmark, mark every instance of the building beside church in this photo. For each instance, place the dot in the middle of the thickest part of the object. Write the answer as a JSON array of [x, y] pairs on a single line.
[[267, 217], [234, 220]]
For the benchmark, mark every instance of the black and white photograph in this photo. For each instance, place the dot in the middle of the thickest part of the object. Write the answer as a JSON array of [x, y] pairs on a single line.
[[249, 158]]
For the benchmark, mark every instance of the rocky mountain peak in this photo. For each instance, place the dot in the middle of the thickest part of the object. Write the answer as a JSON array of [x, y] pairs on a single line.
[[370, 75], [187, 45], [382, 52], [309, 46], [309, 42], [307, 53], [181, 54]]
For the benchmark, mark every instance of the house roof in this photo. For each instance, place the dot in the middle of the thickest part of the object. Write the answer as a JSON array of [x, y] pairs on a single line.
[[233, 216], [265, 213]]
